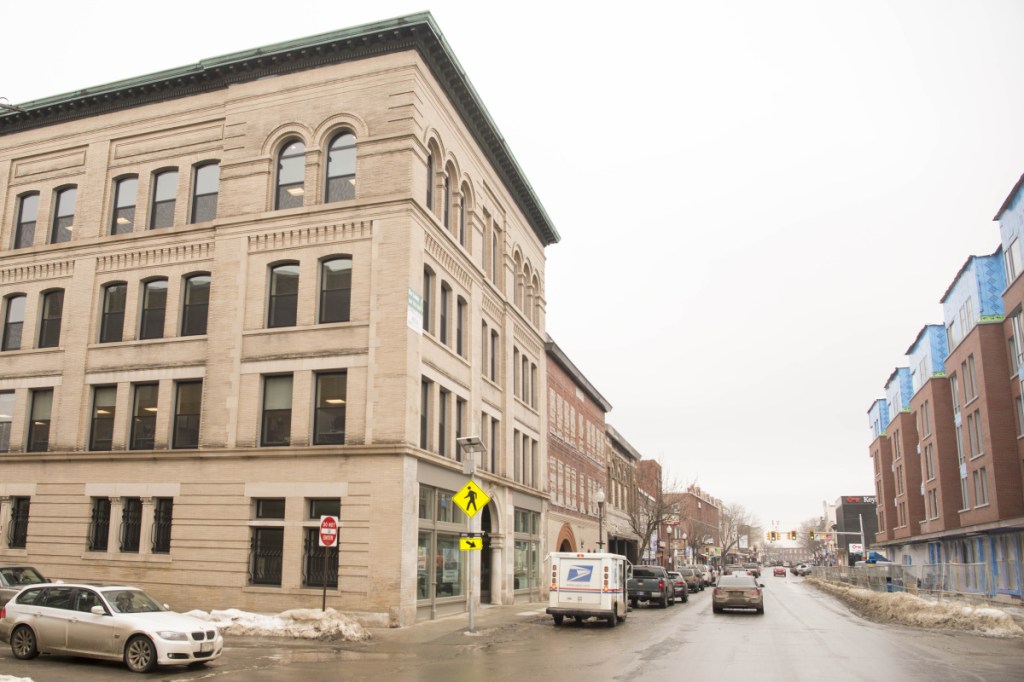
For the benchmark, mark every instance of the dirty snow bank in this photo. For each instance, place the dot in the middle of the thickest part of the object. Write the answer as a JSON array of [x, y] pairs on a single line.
[[8, 678], [300, 623], [907, 609]]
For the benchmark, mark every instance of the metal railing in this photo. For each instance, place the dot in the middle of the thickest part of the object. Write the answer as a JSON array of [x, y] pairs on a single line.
[[975, 581]]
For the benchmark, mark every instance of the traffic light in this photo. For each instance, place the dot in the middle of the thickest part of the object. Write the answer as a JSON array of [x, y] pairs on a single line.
[[792, 535], [773, 536], [810, 535]]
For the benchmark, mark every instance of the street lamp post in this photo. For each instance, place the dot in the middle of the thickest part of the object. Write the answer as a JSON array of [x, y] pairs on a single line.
[[600, 520]]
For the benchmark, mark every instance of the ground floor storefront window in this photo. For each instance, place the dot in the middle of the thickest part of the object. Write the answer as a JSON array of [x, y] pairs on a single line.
[[527, 550], [440, 564]]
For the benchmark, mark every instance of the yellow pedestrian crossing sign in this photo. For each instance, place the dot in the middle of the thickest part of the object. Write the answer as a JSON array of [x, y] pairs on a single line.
[[471, 543], [471, 498]]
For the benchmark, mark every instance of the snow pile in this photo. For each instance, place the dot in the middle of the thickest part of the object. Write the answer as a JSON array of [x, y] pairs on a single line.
[[907, 609], [8, 678], [298, 623]]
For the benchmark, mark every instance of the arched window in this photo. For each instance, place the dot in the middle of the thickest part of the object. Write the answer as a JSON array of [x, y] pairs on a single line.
[[284, 295], [527, 290], [517, 294], [447, 208], [205, 187], [25, 227], [122, 219], [341, 168], [428, 298], [50, 321], [112, 320], [154, 308], [165, 190], [534, 312], [291, 175], [14, 321], [462, 218], [430, 181], [196, 305], [335, 289], [64, 216]]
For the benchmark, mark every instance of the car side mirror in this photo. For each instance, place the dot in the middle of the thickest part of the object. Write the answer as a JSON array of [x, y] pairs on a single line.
[[98, 610]]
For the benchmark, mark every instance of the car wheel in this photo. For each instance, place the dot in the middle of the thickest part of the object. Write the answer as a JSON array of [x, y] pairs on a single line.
[[613, 621], [140, 654], [760, 610], [635, 603], [716, 609], [664, 602], [23, 643], [558, 619], [686, 596]]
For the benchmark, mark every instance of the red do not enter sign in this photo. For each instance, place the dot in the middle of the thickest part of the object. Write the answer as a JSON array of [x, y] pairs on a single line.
[[328, 531]]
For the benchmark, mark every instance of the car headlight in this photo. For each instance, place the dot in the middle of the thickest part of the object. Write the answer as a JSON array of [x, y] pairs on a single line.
[[173, 636]]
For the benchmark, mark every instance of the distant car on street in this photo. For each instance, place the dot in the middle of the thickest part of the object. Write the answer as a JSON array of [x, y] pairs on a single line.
[[692, 577], [779, 570], [682, 590], [802, 570]]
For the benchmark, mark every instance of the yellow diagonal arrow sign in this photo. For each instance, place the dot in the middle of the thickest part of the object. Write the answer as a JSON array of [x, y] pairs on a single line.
[[471, 543]]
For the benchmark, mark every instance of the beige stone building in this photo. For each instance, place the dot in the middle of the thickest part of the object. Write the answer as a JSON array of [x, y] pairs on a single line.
[[271, 286]]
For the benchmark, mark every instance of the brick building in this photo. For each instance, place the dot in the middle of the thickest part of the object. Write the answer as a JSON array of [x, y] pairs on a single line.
[[577, 456], [248, 292]]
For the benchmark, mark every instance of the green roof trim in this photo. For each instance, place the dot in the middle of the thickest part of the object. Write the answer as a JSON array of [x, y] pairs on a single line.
[[412, 32]]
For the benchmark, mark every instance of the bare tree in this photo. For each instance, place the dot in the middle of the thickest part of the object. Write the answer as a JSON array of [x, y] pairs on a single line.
[[651, 508], [737, 522]]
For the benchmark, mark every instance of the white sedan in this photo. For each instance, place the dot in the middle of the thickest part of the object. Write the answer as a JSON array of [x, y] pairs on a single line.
[[111, 623]]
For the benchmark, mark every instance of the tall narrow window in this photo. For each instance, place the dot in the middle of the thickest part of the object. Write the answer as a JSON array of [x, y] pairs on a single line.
[[460, 423], [267, 544], [195, 307], [14, 321], [494, 356], [205, 186], [25, 226], [442, 422], [430, 181], [49, 323], [331, 394], [154, 307], [462, 219], [425, 388], [17, 533], [460, 326], [131, 524], [341, 168], [446, 210], [163, 511], [104, 409], [335, 289], [39, 420], [144, 417], [112, 323], [445, 312], [187, 409], [99, 524], [165, 189], [284, 295], [6, 416], [291, 175], [123, 216], [64, 217], [428, 295], [277, 410]]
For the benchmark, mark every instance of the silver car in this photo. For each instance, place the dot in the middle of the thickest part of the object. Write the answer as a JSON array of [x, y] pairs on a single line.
[[111, 623], [14, 578], [738, 591]]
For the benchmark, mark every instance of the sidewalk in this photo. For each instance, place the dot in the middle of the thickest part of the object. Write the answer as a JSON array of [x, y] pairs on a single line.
[[487, 619]]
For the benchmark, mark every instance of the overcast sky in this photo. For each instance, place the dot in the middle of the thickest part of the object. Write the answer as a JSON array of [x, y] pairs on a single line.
[[760, 203]]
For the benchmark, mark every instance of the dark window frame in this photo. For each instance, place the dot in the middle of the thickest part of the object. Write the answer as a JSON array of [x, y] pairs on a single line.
[[144, 414], [13, 329], [112, 320], [153, 314], [50, 318], [204, 203], [131, 525], [101, 436], [163, 515], [161, 210], [63, 222], [17, 531], [25, 230], [275, 422], [335, 290], [187, 424], [39, 426], [122, 214], [282, 308], [290, 194], [99, 524], [328, 415], [195, 315], [341, 155]]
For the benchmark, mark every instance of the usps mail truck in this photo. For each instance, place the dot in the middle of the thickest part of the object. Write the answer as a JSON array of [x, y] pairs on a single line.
[[588, 584]]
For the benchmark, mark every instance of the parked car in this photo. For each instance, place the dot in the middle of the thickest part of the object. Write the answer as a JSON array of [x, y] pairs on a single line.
[[738, 591], [110, 623], [753, 569], [706, 576], [682, 590], [692, 577], [14, 578], [779, 570], [802, 570], [652, 585]]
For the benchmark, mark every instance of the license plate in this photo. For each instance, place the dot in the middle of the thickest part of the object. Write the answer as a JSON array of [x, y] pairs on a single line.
[[206, 647], [641, 594]]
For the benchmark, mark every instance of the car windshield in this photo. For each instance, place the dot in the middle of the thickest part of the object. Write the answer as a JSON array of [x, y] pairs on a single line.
[[23, 575], [131, 601]]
